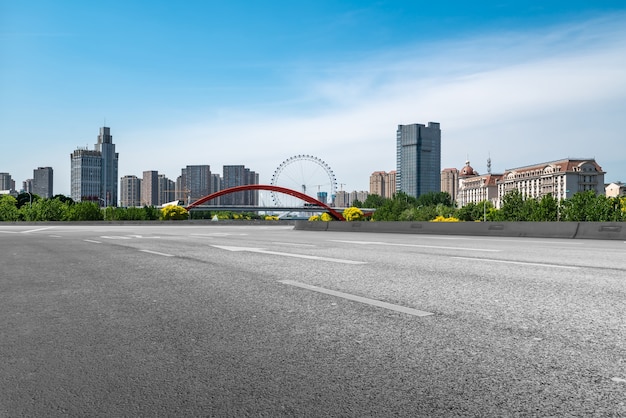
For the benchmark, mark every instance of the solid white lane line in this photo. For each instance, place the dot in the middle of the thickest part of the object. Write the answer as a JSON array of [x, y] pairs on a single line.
[[367, 301], [416, 245], [157, 253], [90, 240], [38, 229], [522, 263]]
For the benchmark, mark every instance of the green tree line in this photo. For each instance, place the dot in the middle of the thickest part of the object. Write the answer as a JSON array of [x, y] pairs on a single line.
[[582, 207], [33, 208]]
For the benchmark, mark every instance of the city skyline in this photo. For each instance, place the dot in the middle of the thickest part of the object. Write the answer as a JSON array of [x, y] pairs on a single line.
[[247, 84]]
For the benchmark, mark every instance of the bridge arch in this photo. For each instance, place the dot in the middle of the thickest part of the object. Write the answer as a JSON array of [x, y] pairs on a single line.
[[336, 215]]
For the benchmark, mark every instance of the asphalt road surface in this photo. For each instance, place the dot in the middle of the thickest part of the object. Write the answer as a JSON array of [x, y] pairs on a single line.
[[265, 321]]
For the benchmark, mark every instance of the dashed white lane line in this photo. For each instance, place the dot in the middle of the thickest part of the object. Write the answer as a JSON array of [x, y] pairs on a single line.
[[157, 253], [367, 301], [94, 241], [37, 230], [522, 263]]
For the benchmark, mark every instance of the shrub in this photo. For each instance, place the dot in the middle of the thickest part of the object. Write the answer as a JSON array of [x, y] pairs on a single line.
[[353, 214], [325, 217], [173, 212], [442, 219]]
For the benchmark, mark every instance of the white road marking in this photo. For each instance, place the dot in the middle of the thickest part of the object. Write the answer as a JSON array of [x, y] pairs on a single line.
[[309, 257], [114, 237], [522, 263], [217, 234], [294, 244], [416, 245], [157, 253], [90, 240], [360, 299], [38, 229], [564, 241]]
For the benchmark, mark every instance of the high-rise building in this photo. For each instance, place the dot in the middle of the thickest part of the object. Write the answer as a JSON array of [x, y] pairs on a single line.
[[106, 147], [418, 158], [239, 175], [216, 186], [450, 182], [181, 192], [27, 185], [86, 175], [42, 182], [342, 199], [150, 188], [197, 181], [6, 182], [361, 196], [383, 184], [94, 173], [167, 189], [130, 191]]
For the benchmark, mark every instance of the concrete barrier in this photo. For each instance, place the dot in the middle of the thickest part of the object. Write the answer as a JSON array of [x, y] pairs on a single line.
[[582, 230], [602, 230]]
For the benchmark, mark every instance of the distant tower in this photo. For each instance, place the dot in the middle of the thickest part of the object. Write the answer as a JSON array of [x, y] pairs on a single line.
[[489, 164]]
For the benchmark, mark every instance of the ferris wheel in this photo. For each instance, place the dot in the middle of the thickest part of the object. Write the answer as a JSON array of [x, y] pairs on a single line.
[[306, 174]]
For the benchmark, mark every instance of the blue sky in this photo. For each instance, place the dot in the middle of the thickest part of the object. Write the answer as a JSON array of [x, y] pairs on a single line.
[[245, 82]]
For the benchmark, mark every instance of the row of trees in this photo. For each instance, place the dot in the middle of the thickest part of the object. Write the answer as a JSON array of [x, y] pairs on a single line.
[[582, 207], [61, 208]]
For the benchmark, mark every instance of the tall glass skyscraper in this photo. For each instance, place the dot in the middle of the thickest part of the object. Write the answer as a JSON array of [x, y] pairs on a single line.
[[418, 159]]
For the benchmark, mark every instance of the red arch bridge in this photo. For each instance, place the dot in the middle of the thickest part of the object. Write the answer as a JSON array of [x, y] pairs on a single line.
[[332, 212]]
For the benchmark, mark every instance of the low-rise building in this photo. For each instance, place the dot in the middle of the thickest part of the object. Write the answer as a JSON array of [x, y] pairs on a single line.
[[617, 189]]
